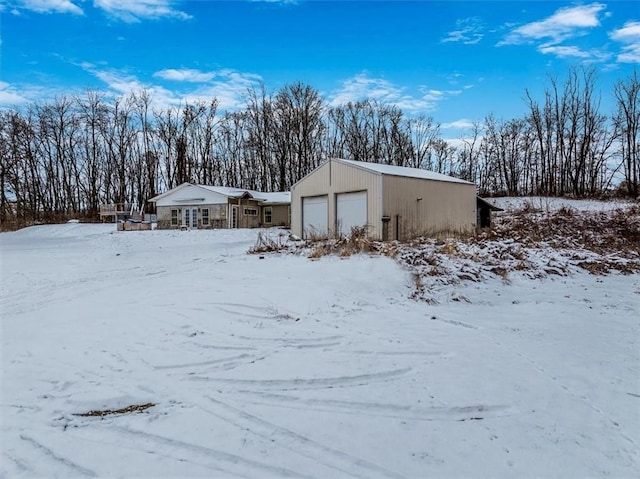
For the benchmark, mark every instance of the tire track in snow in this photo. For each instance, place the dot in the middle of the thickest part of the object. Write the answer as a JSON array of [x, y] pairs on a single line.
[[290, 340], [60, 459], [22, 466], [266, 469], [134, 444], [204, 363], [303, 445], [395, 411], [313, 383]]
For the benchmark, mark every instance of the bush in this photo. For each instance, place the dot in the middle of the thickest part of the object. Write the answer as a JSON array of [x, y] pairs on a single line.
[[266, 243]]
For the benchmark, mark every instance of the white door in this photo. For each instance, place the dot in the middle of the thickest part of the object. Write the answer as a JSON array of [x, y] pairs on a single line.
[[190, 217], [315, 216], [351, 211]]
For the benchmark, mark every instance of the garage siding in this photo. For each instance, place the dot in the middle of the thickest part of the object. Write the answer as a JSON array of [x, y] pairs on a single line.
[[332, 178], [445, 207]]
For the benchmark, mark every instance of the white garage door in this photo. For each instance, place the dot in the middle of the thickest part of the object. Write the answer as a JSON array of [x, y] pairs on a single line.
[[315, 216], [352, 211]]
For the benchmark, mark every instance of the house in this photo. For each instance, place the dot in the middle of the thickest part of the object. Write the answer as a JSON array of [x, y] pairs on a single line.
[[205, 207], [393, 202]]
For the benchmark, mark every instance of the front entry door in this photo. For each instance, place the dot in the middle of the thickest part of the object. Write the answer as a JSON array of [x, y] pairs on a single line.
[[190, 217]]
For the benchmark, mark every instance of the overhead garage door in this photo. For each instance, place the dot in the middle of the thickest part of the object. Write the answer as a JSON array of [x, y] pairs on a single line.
[[315, 214], [351, 211]]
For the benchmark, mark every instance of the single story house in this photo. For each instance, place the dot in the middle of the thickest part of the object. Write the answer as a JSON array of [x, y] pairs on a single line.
[[393, 202], [203, 206]]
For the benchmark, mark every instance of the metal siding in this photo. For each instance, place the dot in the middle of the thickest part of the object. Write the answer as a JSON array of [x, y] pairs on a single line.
[[332, 178], [445, 207]]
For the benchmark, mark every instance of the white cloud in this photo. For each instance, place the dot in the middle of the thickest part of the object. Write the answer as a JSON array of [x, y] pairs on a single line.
[[185, 75], [14, 95], [565, 23], [563, 51], [468, 31], [50, 6], [133, 11], [361, 87], [629, 36], [462, 142], [230, 88], [461, 124], [9, 96]]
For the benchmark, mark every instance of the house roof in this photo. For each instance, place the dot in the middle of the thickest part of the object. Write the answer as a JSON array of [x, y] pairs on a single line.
[[281, 197], [275, 198], [228, 191], [401, 171]]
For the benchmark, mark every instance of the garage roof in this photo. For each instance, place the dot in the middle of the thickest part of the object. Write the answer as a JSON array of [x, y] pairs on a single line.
[[401, 171]]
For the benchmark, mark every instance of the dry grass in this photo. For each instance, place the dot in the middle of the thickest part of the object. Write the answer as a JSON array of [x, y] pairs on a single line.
[[266, 243], [600, 231], [532, 242], [355, 243]]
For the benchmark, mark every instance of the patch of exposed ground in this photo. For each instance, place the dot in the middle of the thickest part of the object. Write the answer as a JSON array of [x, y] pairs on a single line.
[[109, 412]]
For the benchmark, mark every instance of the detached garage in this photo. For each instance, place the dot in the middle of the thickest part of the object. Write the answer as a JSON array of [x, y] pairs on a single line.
[[392, 201]]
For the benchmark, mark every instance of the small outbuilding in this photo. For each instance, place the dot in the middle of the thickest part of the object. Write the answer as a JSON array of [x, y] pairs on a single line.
[[205, 207], [393, 202], [484, 212]]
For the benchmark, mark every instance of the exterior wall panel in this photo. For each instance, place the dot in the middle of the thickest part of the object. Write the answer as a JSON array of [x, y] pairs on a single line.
[[418, 207], [279, 215]]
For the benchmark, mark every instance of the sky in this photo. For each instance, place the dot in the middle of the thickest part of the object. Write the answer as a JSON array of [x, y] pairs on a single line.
[[454, 61]]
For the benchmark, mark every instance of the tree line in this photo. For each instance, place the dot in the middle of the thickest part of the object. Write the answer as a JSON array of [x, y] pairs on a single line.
[[69, 155]]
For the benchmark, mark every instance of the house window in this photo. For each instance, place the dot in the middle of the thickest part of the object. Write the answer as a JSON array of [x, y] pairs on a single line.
[[250, 212], [174, 217], [267, 215], [204, 216]]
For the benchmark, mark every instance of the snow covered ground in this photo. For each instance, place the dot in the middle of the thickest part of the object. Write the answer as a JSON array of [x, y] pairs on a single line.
[[288, 367], [545, 203]]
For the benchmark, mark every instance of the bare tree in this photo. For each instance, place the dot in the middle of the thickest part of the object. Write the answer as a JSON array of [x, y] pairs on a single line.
[[627, 119]]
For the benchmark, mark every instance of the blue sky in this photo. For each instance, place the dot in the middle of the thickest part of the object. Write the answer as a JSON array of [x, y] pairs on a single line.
[[454, 61]]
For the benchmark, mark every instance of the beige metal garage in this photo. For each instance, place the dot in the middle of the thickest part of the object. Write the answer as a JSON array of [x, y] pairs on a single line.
[[392, 201]]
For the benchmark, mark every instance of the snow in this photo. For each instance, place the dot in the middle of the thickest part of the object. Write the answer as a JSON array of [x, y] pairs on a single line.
[[280, 366], [401, 171], [278, 197], [549, 204]]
